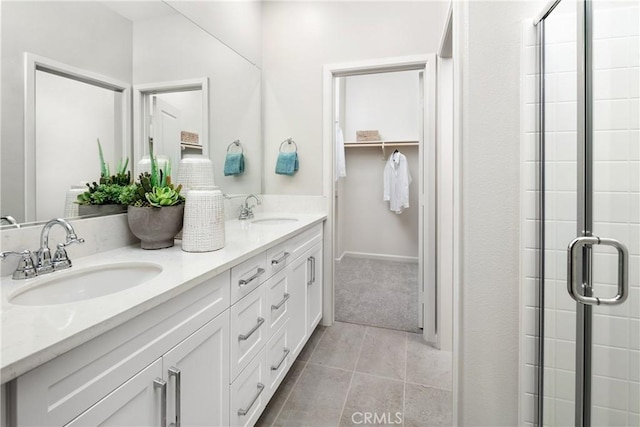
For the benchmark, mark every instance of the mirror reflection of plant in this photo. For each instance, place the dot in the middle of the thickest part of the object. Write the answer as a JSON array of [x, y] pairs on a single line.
[[153, 189], [110, 187]]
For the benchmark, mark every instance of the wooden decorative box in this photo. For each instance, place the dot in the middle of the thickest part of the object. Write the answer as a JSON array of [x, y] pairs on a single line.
[[367, 135]]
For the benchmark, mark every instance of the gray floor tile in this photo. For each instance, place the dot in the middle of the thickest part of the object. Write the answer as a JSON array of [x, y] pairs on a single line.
[[339, 346], [426, 406], [280, 397], [311, 345], [383, 353], [317, 398], [427, 365], [373, 401]]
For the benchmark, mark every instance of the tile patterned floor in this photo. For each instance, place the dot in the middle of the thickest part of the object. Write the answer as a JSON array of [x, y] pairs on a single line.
[[361, 375], [377, 293]]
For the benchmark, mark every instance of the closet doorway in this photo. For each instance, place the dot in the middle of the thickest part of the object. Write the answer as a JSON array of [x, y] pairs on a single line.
[[384, 261]]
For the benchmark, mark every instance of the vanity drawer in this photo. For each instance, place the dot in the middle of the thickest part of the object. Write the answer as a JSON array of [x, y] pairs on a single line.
[[247, 276], [278, 358], [278, 295], [248, 393], [278, 257], [304, 241], [249, 329]]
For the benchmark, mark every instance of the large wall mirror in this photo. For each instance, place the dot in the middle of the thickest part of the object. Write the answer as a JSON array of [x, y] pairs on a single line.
[[155, 61]]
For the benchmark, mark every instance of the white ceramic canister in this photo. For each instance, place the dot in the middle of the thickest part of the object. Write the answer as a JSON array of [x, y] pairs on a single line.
[[70, 205], [203, 228]]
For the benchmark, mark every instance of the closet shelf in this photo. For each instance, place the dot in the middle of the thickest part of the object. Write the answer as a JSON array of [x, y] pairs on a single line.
[[185, 145], [380, 143]]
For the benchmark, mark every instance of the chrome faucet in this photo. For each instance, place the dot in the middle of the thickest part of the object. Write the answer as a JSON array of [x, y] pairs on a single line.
[[9, 220], [60, 261], [246, 211]]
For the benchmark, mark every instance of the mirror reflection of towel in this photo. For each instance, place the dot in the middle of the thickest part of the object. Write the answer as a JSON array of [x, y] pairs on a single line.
[[287, 163], [234, 164]]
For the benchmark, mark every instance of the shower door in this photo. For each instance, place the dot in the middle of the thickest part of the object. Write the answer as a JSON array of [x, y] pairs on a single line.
[[589, 358]]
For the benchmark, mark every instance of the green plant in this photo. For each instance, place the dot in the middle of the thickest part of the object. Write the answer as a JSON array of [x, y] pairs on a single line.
[[153, 189], [109, 188]]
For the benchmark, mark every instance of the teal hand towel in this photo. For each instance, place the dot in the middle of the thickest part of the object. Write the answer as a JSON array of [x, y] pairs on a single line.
[[287, 163], [234, 164]]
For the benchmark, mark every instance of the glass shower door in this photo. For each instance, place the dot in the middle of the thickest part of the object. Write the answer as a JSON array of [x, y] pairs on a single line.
[[590, 214]]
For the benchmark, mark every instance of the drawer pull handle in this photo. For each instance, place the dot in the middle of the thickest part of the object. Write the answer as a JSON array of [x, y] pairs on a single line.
[[281, 303], [245, 282], [162, 385], [279, 260], [284, 356], [242, 337], [243, 412], [175, 372]]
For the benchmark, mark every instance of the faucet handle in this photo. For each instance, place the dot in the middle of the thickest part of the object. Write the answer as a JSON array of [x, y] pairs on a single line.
[[71, 240], [25, 269], [60, 259]]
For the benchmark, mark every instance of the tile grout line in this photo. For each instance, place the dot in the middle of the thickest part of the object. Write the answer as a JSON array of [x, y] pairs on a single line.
[[353, 373], [304, 368], [404, 388]]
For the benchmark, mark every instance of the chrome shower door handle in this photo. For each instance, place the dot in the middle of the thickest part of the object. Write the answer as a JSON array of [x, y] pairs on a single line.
[[574, 266]]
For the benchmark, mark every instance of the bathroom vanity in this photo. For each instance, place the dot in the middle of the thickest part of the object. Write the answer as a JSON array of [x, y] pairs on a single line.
[[207, 341]]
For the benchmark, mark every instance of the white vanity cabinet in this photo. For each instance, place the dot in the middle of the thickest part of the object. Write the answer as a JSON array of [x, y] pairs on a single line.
[[213, 355], [109, 375]]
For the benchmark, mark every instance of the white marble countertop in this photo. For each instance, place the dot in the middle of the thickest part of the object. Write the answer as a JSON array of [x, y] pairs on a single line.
[[33, 335]]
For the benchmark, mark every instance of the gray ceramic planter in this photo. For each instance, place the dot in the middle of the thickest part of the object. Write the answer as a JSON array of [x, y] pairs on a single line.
[[155, 227], [100, 209]]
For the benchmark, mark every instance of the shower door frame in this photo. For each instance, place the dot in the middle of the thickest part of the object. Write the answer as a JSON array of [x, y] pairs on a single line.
[[585, 223]]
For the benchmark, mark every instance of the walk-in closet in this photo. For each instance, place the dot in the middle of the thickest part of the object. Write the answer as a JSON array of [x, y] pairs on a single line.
[[379, 128]]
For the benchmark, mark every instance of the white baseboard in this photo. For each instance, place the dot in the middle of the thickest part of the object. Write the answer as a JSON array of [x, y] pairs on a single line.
[[384, 257]]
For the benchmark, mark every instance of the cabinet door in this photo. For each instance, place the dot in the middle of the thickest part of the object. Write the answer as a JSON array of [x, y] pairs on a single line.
[[314, 288], [297, 279], [137, 402], [197, 375]]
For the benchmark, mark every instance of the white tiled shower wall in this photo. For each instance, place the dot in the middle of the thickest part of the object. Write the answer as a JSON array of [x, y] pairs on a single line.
[[616, 337]]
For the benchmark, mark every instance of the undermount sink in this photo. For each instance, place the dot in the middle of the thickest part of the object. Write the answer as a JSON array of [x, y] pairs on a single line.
[[85, 283], [274, 221]]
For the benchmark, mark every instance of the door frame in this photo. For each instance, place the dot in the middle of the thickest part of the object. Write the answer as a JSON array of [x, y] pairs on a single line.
[[427, 150], [141, 109], [34, 63]]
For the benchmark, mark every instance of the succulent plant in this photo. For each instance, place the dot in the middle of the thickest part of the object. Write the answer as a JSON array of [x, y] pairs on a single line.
[[153, 189], [107, 191]]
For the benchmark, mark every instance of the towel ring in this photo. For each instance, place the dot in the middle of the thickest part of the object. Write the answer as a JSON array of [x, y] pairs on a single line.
[[237, 144], [289, 141]]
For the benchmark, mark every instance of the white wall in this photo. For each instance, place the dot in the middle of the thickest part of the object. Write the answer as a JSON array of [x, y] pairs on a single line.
[[85, 35], [70, 117], [298, 39], [387, 102], [487, 50], [237, 24]]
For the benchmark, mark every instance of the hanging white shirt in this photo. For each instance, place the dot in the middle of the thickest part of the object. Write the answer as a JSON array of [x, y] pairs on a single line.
[[396, 182]]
